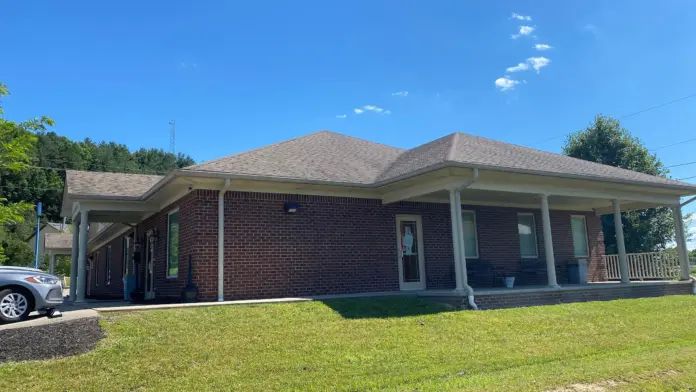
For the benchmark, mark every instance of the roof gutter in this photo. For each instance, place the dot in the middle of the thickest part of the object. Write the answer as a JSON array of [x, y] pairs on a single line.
[[687, 202]]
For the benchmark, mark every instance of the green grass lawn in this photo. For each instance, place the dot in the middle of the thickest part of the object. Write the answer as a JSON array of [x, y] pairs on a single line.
[[387, 344]]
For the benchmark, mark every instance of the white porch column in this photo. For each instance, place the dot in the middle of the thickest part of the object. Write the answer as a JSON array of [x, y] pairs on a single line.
[[681, 243], [52, 263], [455, 241], [620, 243], [462, 247], [73, 259], [82, 256], [548, 242]]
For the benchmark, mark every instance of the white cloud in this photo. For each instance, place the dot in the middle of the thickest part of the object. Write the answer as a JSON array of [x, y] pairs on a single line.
[[543, 47], [524, 30], [518, 67], [357, 111], [506, 83], [538, 62], [400, 94], [520, 17], [376, 109], [341, 116]]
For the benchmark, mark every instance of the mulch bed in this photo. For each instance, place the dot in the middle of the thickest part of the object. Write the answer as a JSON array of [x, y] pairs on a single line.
[[50, 341]]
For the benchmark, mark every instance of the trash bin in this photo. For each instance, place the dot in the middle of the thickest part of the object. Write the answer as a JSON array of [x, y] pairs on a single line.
[[577, 271], [128, 286]]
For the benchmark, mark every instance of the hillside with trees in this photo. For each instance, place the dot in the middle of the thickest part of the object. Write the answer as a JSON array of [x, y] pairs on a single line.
[[35, 171]]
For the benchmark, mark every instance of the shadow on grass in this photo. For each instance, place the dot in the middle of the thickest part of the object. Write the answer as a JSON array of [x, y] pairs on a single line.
[[384, 307]]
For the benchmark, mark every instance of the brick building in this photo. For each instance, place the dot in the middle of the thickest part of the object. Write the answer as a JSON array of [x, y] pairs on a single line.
[[330, 214]]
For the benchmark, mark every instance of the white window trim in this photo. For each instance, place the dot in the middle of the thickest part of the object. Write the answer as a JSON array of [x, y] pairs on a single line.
[[587, 240], [166, 265], [478, 255], [536, 238], [125, 245], [107, 266]]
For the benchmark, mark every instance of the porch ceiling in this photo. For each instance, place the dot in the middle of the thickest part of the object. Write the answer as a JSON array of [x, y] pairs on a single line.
[[514, 199]]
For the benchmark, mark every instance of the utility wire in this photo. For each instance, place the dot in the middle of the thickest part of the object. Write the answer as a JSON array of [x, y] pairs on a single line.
[[685, 178], [636, 113], [674, 144], [681, 164]]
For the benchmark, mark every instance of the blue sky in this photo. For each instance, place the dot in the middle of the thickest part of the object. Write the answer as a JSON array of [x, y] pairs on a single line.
[[239, 75]]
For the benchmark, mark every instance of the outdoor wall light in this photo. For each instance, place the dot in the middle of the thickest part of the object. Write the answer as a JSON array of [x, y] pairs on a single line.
[[291, 207]]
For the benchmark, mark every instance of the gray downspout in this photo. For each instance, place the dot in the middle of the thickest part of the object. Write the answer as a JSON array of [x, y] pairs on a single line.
[[470, 290]]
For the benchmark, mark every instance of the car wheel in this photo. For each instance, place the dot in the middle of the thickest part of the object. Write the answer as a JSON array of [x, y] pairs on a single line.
[[15, 305]]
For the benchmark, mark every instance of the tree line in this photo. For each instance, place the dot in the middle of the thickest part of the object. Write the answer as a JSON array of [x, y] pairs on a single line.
[[33, 161]]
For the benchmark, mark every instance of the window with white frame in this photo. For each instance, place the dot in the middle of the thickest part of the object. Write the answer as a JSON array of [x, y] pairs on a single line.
[[579, 227], [526, 228], [470, 235], [173, 244], [107, 266]]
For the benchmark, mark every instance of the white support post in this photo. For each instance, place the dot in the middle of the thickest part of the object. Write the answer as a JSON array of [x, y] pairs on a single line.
[[82, 256], [685, 268], [455, 241], [52, 263], [73, 259], [221, 246], [221, 241], [620, 243], [462, 247], [548, 242]]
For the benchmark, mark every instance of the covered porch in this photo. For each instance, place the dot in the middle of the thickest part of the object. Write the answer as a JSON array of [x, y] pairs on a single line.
[[539, 261]]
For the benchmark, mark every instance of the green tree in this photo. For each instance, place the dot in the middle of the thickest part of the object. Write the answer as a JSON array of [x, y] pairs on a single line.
[[16, 143], [606, 141]]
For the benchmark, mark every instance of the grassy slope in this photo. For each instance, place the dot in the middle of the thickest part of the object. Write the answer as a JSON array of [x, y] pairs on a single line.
[[393, 343]]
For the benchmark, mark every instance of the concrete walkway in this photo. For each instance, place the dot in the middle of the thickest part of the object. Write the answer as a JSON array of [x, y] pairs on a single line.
[[36, 320]]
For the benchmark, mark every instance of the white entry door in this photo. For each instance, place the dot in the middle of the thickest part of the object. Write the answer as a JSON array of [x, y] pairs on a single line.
[[409, 241]]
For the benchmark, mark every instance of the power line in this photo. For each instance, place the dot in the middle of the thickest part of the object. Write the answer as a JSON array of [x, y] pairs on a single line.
[[636, 113], [685, 178], [681, 164], [658, 106], [674, 144]]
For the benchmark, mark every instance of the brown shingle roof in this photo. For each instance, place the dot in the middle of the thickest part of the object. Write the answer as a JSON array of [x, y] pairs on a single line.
[[82, 183], [57, 241], [480, 151], [321, 156], [333, 158]]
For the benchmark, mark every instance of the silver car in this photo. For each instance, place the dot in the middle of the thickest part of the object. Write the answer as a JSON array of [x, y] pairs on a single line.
[[24, 290]]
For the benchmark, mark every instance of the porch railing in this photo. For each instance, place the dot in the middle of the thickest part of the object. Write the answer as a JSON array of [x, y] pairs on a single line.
[[641, 266]]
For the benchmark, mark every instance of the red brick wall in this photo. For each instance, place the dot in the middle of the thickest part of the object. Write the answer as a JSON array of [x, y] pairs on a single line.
[[335, 245], [98, 275], [164, 287], [345, 245]]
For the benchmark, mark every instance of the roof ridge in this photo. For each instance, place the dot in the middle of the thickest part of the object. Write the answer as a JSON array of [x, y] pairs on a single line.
[[452, 147], [568, 156], [323, 131]]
